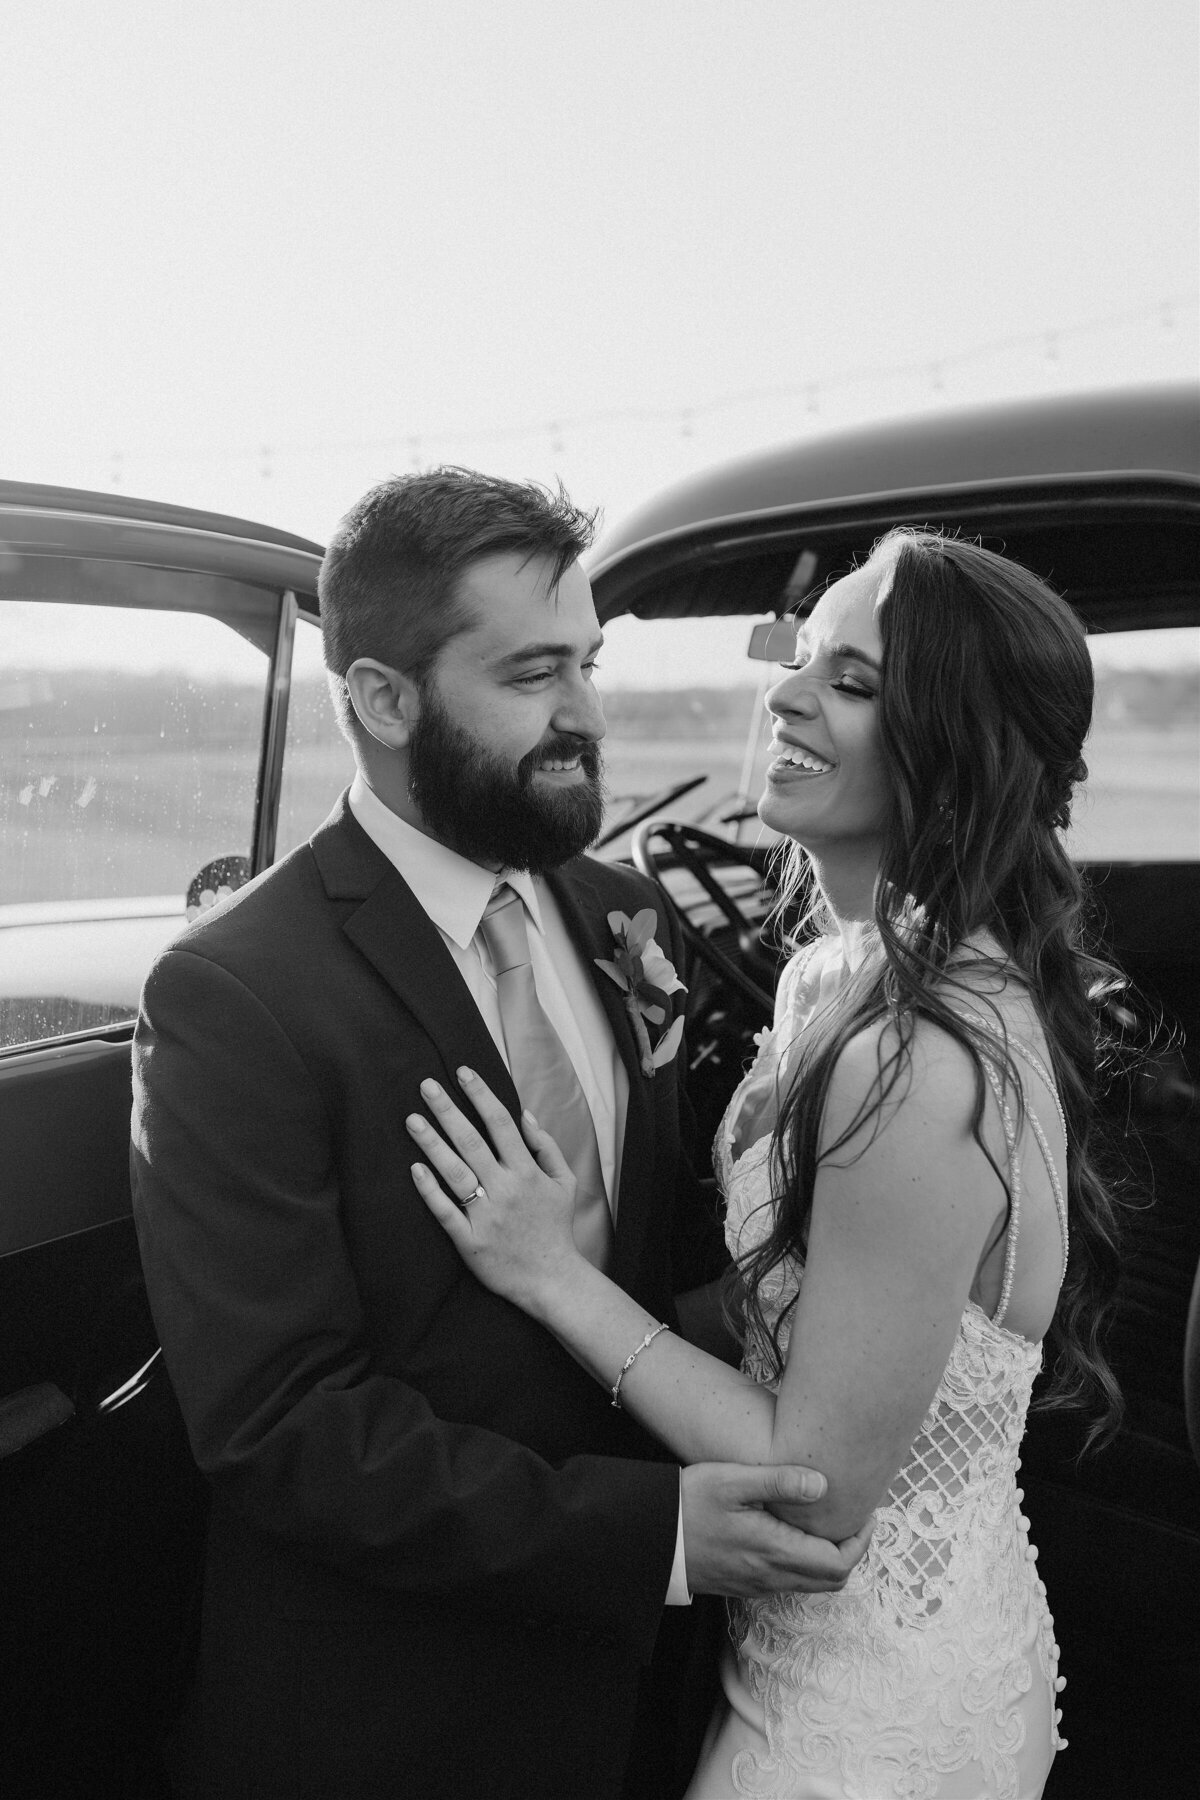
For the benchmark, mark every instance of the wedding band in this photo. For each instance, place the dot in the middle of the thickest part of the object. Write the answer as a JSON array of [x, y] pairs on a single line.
[[476, 1193]]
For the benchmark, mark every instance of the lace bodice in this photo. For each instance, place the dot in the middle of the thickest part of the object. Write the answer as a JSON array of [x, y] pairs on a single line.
[[915, 1670]]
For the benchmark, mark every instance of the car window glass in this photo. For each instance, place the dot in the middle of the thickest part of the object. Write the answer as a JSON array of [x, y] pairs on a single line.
[[317, 761], [131, 724], [1142, 798], [682, 698]]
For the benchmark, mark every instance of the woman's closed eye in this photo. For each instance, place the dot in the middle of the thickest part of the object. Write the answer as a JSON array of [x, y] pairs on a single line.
[[844, 684]]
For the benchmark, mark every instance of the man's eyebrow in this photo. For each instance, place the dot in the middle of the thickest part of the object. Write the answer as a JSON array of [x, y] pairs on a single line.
[[548, 651], [843, 652]]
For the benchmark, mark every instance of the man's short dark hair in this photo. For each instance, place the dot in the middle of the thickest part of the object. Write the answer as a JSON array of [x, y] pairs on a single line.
[[389, 582]]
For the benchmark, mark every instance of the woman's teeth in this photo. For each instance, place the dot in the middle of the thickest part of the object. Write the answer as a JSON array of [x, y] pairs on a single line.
[[803, 759]]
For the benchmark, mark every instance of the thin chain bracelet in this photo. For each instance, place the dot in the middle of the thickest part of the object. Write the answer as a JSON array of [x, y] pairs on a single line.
[[629, 1362]]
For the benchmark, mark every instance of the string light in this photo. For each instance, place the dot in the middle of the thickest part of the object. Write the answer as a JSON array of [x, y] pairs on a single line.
[[812, 393]]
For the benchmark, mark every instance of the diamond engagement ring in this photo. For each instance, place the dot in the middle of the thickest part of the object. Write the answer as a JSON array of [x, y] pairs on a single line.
[[476, 1193]]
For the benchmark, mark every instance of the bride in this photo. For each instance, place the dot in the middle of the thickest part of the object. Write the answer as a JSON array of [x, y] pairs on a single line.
[[910, 1208]]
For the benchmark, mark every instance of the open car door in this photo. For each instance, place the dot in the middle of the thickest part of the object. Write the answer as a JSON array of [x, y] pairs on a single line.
[[143, 721]]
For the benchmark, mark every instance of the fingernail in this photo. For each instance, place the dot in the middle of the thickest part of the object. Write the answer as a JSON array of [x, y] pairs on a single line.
[[466, 1076], [415, 1122], [419, 1169], [432, 1089], [812, 1485], [529, 1119]]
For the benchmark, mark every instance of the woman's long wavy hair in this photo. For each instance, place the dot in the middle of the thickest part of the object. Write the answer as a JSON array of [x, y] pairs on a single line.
[[985, 700]]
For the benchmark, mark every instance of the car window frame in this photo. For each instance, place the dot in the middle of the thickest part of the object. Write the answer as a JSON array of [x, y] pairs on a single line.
[[29, 531]]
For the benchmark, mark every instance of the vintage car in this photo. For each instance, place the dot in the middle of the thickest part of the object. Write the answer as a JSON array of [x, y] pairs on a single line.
[[165, 734]]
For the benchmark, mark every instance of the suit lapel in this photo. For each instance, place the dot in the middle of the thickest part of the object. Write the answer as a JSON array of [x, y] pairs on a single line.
[[586, 894], [387, 924], [393, 931], [579, 889]]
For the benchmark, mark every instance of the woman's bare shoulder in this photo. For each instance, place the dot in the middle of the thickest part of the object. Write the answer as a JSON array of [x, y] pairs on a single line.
[[898, 1154], [918, 1083], [885, 1079]]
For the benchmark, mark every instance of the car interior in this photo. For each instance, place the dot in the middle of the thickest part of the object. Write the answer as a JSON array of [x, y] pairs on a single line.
[[1118, 1531]]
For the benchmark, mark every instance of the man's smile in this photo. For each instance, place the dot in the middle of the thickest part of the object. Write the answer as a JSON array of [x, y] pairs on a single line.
[[561, 769]]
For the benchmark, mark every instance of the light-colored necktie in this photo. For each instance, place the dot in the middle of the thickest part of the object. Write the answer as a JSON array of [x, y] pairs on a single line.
[[542, 1071]]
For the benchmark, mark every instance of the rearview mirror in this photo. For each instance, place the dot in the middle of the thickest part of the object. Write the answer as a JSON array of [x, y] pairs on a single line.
[[774, 642]]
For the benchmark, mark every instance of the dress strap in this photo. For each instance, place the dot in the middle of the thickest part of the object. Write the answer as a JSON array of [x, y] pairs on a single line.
[[1014, 1173], [1009, 1125]]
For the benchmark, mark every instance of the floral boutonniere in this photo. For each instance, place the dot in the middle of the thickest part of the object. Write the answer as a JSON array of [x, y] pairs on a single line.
[[647, 980]]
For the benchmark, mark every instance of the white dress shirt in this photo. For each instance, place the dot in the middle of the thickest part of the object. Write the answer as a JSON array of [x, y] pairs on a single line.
[[453, 892]]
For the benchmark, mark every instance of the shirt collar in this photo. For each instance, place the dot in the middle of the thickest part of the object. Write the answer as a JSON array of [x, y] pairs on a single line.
[[452, 889]]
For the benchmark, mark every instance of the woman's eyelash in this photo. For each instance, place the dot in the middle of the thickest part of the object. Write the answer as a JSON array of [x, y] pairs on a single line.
[[843, 684]]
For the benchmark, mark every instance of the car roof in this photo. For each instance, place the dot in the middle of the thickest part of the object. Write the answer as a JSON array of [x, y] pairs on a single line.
[[80, 522], [1148, 430], [1046, 466]]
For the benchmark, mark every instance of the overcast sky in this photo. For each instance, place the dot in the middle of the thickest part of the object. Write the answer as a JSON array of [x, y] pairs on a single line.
[[257, 255]]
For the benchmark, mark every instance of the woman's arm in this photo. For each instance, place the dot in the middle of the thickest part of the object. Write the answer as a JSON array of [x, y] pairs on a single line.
[[898, 1223]]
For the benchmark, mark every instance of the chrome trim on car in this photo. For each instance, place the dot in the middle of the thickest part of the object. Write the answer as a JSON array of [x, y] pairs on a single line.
[[270, 771]]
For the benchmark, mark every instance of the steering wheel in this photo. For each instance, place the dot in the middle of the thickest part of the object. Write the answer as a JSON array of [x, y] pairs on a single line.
[[653, 803], [665, 844]]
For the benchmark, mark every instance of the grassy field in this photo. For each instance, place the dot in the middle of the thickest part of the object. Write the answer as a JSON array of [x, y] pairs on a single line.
[[96, 815]]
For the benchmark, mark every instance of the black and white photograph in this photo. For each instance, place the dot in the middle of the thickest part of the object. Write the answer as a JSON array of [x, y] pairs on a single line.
[[600, 900]]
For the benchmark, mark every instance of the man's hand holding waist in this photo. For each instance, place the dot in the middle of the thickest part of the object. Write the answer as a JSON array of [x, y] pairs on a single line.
[[735, 1546]]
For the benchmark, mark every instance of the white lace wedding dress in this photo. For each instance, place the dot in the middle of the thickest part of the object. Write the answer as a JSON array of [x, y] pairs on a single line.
[[933, 1674]]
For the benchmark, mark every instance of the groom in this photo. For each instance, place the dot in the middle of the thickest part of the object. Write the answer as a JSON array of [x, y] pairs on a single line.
[[438, 1557]]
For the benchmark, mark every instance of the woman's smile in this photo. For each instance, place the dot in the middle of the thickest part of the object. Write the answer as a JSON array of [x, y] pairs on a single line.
[[794, 762]]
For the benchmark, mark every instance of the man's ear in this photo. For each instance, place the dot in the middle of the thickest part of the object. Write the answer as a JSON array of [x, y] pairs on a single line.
[[385, 701]]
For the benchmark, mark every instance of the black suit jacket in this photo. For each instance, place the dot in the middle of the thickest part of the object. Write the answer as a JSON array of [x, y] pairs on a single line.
[[437, 1556]]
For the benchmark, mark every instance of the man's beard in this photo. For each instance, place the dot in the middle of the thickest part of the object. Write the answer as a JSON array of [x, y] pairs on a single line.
[[490, 811]]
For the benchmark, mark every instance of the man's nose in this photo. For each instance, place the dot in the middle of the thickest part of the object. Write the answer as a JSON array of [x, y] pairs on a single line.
[[581, 713]]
